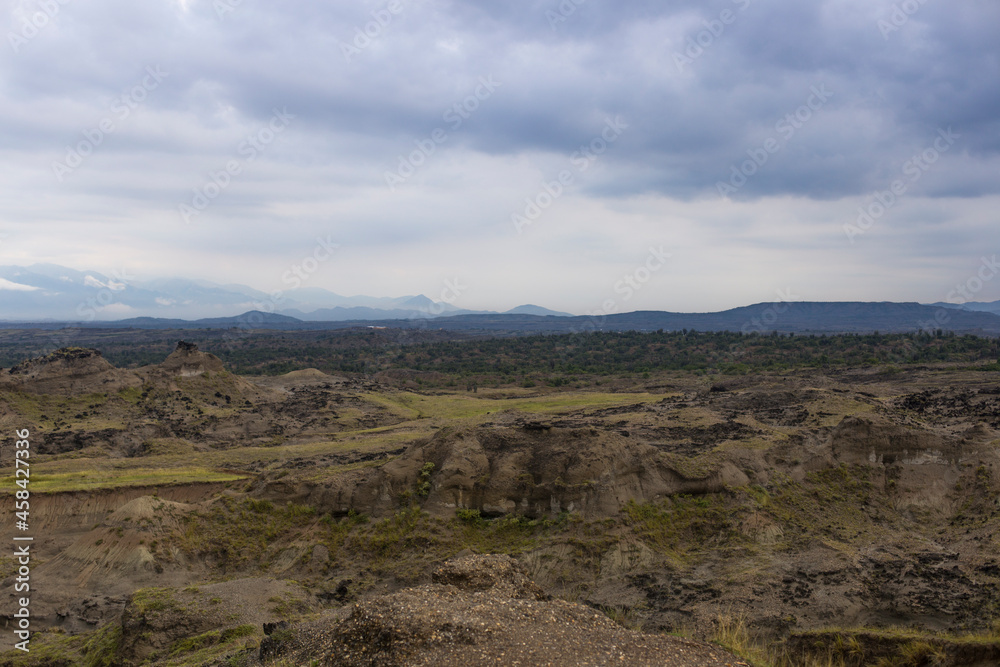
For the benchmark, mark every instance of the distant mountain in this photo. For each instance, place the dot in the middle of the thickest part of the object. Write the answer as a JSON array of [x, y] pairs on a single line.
[[51, 295], [793, 317], [530, 309], [357, 313], [49, 292], [762, 318], [976, 306], [419, 302], [309, 299], [253, 319], [249, 319]]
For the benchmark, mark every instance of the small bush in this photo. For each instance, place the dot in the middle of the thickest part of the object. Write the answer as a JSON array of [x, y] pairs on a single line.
[[469, 516]]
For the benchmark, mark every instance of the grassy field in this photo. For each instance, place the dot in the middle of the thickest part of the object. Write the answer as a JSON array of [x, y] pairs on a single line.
[[462, 406], [110, 478]]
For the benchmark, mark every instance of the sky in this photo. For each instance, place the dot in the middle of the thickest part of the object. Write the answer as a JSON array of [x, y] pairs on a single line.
[[582, 155]]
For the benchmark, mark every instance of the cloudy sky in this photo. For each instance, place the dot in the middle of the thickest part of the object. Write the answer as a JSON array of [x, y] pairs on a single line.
[[713, 153]]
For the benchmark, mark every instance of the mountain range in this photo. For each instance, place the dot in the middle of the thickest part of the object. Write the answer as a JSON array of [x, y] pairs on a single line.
[[52, 296], [49, 292]]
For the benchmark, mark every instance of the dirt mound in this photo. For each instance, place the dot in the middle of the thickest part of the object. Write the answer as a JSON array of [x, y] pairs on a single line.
[[188, 361], [500, 574], [530, 471], [483, 610], [69, 371], [147, 510], [307, 374], [310, 378], [125, 543], [99, 546], [202, 380]]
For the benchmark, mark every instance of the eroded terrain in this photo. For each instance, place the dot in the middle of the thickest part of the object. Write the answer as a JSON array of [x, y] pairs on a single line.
[[800, 501]]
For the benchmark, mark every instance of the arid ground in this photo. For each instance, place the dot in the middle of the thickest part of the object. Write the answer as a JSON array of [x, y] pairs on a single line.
[[185, 515]]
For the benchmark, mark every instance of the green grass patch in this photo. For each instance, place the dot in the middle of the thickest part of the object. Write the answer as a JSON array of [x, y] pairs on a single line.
[[109, 478], [50, 410], [177, 465], [52, 648], [146, 600], [409, 405]]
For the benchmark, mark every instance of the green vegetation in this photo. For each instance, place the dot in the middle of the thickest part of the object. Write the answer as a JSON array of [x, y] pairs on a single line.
[[43, 482], [101, 648], [887, 647], [854, 647], [175, 461], [60, 412], [247, 535], [526, 361], [424, 480], [147, 600], [412, 406], [681, 525], [52, 648], [838, 504], [208, 644], [238, 533]]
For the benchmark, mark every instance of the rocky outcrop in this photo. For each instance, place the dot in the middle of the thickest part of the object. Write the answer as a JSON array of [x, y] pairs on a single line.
[[69, 371], [483, 610], [920, 467], [502, 470], [866, 441], [187, 361]]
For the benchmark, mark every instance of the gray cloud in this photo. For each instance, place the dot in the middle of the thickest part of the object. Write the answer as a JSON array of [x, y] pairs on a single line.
[[702, 88]]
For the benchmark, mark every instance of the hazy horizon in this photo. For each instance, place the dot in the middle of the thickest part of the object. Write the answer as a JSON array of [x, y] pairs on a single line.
[[104, 298]]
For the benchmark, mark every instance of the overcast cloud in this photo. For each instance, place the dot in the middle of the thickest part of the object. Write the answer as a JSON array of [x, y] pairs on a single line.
[[535, 151]]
